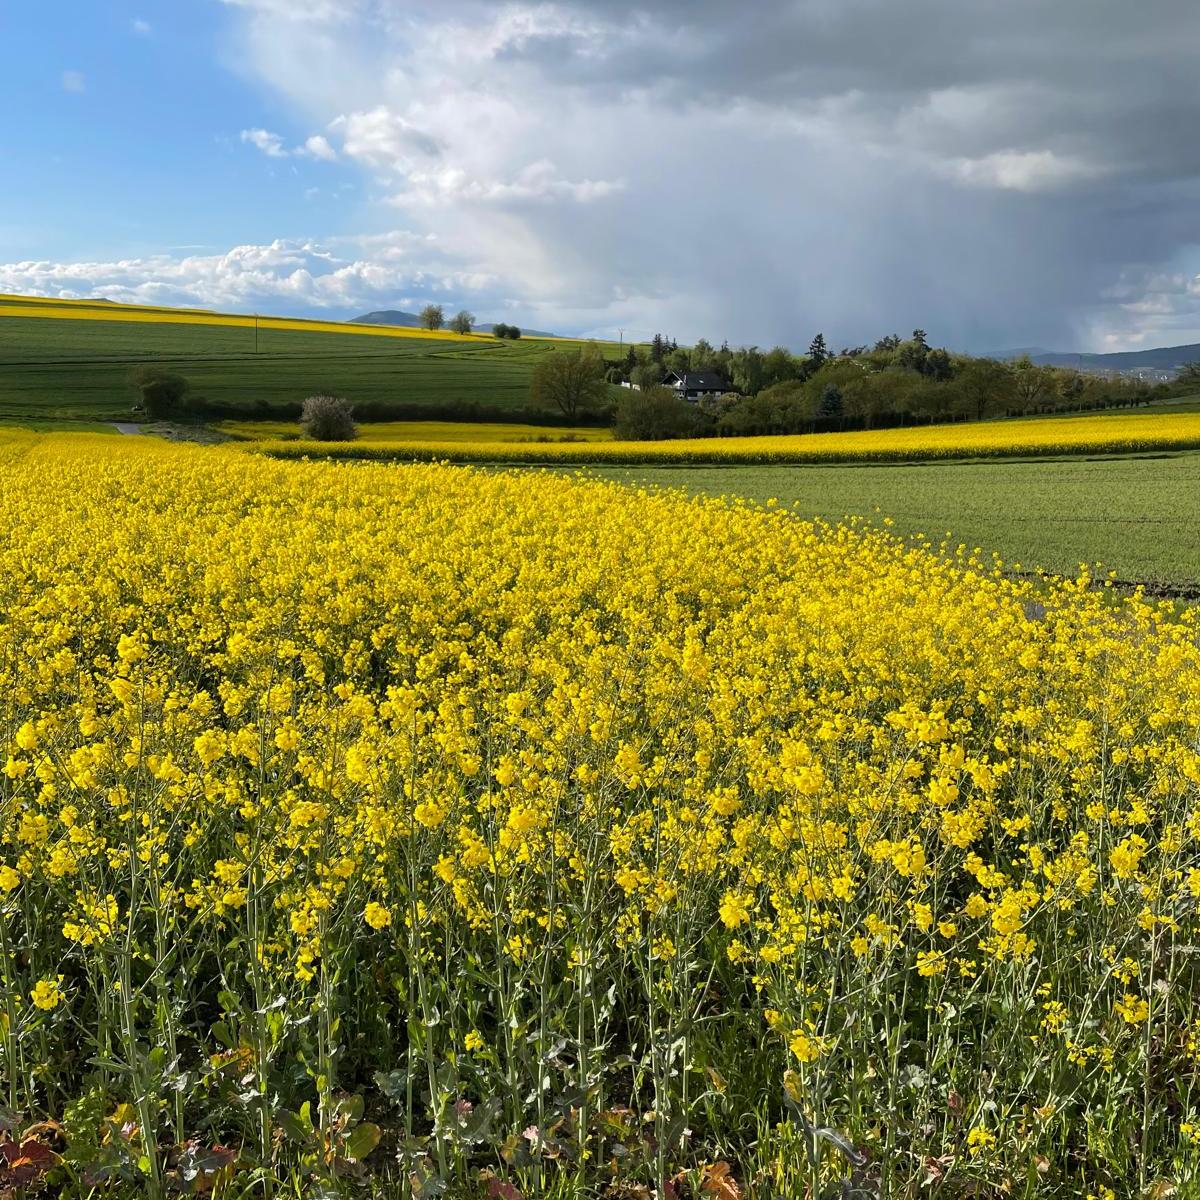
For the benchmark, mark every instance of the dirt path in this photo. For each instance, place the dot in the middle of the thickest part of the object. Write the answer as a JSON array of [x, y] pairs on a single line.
[[127, 427]]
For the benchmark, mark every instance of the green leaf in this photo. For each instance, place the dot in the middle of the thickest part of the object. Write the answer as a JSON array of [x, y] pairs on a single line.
[[393, 1084], [111, 1064], [293, 1127], [362, 1141]]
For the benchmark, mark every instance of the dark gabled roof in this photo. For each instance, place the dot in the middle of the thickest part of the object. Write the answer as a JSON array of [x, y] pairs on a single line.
[[700, 381]]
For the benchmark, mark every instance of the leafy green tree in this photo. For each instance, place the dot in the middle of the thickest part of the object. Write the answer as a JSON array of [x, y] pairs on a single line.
[[874, 393], [746, 369], [678, 360], [655, 414], [836, 371], [463, 321], [984, 386], [831, 401], [1070, 387], [433, 317], [911, 355], [784, 408], [1032, 384], [939, 366], [571, 381], [647, 374], [702, 357], [778, 366]]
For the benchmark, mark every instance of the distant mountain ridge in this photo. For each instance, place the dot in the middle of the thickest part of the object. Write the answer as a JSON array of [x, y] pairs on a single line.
[[1160, 358], [407, 320]]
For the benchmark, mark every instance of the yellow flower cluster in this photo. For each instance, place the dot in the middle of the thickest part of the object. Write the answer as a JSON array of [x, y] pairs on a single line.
[[340, 769], [1096, 433]]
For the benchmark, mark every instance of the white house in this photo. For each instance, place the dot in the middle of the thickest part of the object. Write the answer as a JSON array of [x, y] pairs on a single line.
[[695, 385]]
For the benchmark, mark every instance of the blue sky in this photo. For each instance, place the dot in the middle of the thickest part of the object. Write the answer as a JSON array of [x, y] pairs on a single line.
[[1000, 174], [145, 156]]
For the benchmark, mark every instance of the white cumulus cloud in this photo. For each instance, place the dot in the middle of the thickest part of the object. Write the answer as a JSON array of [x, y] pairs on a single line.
[[271, 144], [341, 277], [318, 146]]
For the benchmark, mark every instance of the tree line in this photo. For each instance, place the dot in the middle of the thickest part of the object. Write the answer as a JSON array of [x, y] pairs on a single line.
[[894, 382]]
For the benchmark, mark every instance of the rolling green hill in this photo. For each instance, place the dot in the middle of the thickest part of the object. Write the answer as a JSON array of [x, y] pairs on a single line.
[[56, 367]]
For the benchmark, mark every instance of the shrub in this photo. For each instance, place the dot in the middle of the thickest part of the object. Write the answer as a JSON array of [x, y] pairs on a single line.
[[328, 419], [654, 415], [161, 392]]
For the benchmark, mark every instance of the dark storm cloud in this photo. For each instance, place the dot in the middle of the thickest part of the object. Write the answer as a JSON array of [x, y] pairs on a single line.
[[1116, 80], [1049, 149]]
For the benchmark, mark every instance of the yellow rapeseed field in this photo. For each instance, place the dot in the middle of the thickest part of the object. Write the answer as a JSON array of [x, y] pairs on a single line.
[[407, 830], [1044, 436], [75, 310]]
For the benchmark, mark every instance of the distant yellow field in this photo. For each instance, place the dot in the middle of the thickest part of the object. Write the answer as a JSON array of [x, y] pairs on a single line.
[[95, 310], [7, 298], [1050, 436], [406, 432], [85, 311]]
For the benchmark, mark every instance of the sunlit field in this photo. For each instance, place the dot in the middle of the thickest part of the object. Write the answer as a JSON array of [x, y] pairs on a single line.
[[1046, 436], [65, 360], [412, 830]]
